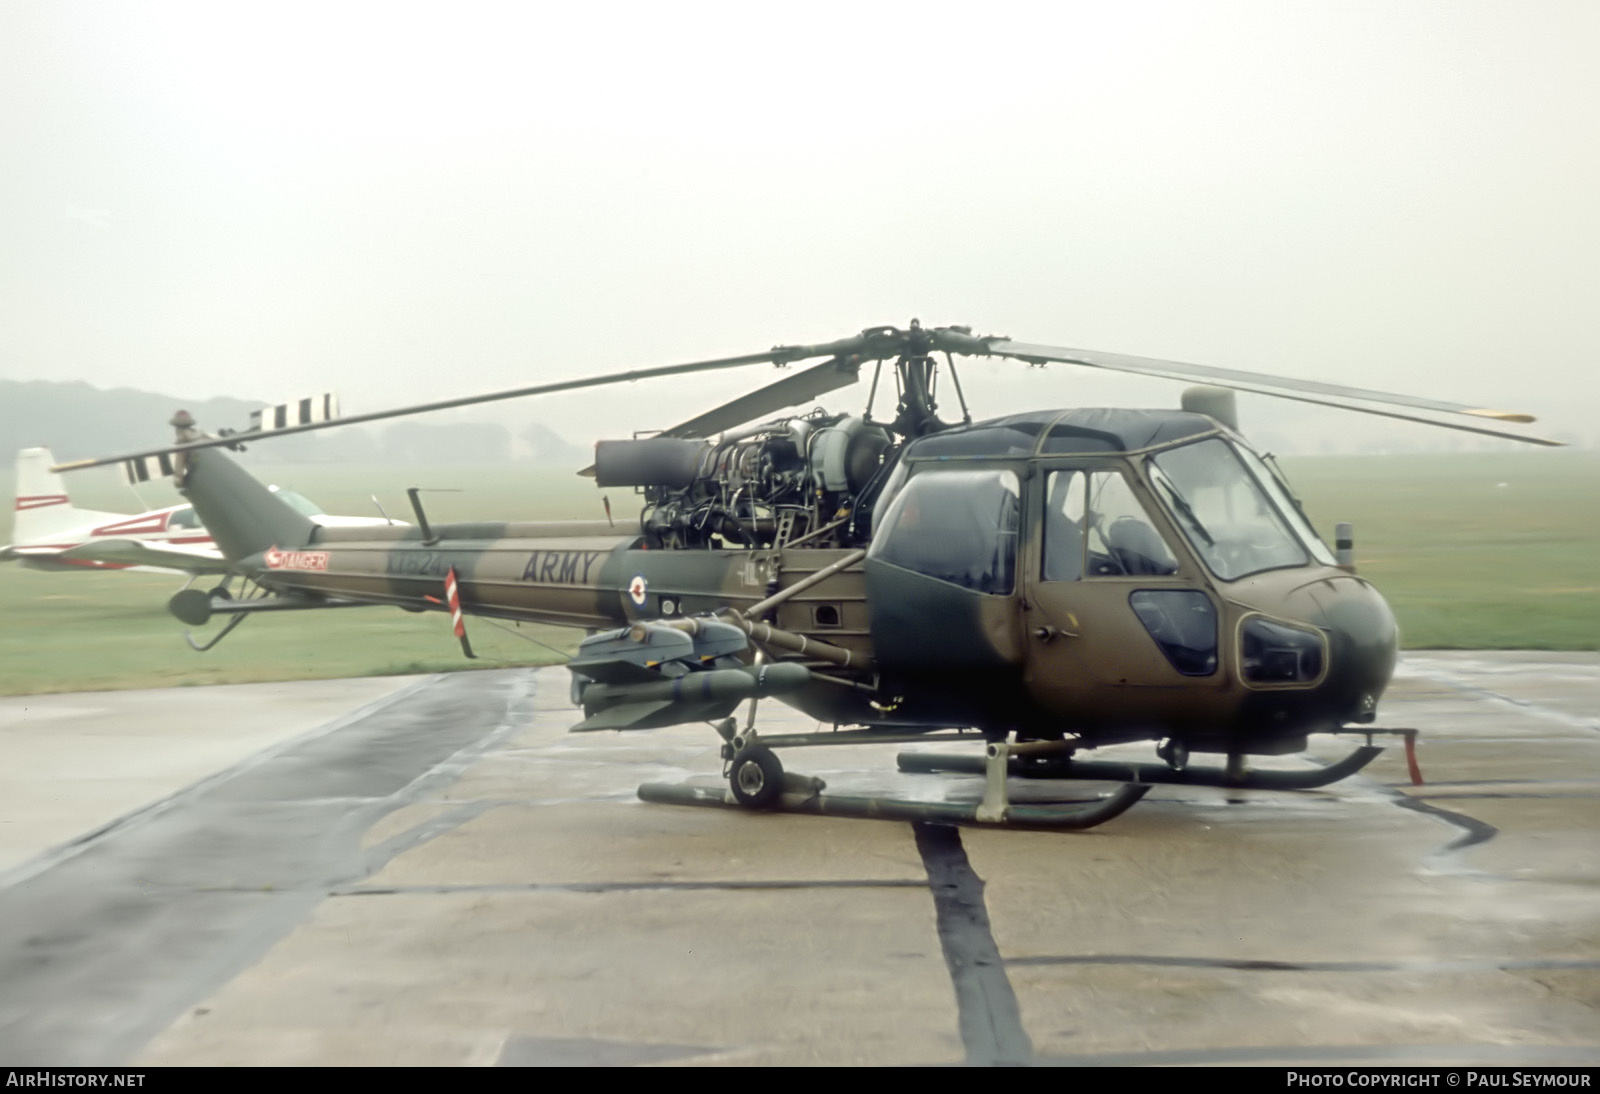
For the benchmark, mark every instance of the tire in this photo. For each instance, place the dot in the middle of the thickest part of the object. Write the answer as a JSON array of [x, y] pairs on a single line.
[[756, 778]]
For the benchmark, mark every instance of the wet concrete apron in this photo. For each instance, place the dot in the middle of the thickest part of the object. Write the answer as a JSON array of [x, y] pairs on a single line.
[[449, 877], [114, 936]]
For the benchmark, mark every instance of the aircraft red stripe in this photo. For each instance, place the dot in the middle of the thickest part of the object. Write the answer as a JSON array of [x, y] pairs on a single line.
[[154, 523], [81, 542], [39, 501]]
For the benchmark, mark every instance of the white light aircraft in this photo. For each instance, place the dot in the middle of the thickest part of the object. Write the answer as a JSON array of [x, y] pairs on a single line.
[[53, 534]]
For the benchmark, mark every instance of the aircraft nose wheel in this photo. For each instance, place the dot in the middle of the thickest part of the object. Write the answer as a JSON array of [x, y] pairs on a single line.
[[756, 778]]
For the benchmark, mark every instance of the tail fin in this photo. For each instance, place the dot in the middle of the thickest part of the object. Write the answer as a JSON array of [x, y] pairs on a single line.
[[242, 515], [43, 509]]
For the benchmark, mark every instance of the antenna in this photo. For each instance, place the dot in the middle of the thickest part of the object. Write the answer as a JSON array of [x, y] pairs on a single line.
[[428, 537]]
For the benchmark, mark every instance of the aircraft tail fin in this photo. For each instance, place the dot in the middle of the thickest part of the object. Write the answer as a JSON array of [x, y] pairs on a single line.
[[42, 506], [243, 516]]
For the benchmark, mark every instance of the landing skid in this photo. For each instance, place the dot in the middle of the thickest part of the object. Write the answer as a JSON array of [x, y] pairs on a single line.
[[1056, 817], [758, 782], [1150, 773]]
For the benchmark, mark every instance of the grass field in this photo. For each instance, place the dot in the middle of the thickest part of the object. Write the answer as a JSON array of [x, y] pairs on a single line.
[[100, 630], [1473, 551]]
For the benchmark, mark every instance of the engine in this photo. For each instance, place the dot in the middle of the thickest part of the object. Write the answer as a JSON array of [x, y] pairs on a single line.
[[812, 477]]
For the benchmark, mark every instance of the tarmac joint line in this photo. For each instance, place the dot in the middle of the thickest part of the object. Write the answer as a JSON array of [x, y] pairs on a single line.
[[1473, 830], [1463, 965], [990, 1019], [664, 886]]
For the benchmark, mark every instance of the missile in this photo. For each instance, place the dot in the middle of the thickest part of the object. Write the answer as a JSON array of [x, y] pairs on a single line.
[[701, 687], [692, 697]]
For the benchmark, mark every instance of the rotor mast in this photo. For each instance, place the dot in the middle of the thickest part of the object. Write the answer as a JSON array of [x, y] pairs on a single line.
[[916, 377]]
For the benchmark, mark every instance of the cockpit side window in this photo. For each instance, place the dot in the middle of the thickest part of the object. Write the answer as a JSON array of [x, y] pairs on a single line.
[[1094, 526], [183, 518], [1064, 509], [955, 526], [1121, 540]]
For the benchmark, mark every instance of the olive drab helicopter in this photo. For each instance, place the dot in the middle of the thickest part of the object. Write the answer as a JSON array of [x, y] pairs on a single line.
[[1040, 585]]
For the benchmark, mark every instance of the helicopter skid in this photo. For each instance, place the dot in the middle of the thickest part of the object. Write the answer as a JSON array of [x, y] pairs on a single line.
[[1147, 773], [1052, 816]]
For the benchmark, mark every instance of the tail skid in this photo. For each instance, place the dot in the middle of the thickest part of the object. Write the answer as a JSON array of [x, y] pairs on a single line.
[[196, 607]]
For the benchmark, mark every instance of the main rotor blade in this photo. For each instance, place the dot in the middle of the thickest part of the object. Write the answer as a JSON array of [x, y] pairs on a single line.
[[798, 388], [814, 381], [1525, 438], [777, 355], [1227, 377]]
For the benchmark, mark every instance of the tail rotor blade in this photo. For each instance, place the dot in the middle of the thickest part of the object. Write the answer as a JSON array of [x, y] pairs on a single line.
[[318, 408]]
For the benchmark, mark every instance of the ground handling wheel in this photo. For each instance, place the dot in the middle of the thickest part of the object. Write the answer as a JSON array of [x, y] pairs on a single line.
[[756, 778]]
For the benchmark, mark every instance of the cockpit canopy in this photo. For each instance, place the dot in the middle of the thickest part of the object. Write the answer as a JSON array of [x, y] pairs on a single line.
[[1063, 432], [949, 513]]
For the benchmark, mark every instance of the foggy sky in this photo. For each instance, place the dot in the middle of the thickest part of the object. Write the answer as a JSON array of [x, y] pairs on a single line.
[[405, 202]]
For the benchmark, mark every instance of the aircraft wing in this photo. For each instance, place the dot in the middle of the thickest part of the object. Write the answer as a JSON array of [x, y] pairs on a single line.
[[189, 558]]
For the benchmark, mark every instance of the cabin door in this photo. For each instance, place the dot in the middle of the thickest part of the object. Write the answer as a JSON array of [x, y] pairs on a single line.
[[1118, 626]]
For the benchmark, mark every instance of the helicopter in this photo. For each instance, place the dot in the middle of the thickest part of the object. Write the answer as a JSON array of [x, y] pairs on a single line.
[[1042, 584]]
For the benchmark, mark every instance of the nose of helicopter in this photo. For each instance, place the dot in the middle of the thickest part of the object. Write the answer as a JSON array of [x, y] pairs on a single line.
[[1363, 641]]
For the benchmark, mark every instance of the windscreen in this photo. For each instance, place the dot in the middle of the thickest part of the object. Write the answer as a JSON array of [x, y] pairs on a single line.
[[1287, 506], [1224, 510]]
